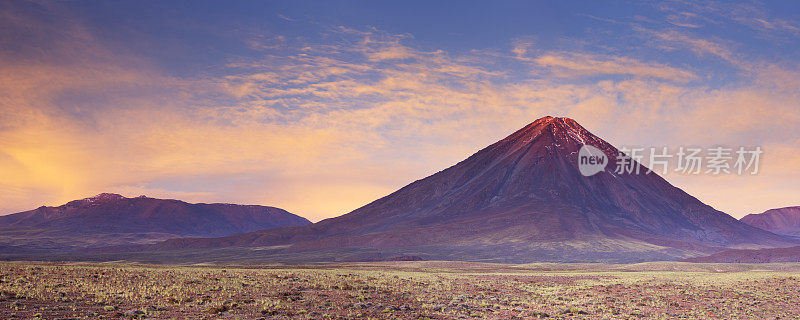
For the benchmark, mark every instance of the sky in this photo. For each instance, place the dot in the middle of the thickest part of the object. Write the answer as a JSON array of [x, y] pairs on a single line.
[[320, 107]]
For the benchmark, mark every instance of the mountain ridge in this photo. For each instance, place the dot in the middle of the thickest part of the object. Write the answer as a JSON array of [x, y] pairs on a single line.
[[111, 219], [521, 199], [783, 221]]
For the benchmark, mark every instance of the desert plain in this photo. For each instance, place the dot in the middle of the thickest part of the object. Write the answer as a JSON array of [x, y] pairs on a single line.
[[400, 290]]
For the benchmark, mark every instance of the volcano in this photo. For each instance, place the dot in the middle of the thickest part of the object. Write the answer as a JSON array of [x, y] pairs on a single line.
[[521, 199], [111, 219]]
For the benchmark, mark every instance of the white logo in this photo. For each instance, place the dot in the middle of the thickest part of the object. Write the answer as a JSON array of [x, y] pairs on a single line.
[[591, 160]]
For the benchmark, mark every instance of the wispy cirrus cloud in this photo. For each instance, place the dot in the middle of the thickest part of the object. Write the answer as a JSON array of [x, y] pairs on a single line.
[[322, 127], [673, 40], [751, 14], [581, 65]]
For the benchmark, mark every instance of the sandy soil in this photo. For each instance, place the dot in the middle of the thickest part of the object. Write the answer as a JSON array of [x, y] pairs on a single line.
[[401, 290]]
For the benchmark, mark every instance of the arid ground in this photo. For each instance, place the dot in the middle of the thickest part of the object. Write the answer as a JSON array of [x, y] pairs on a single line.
[[401, 290]]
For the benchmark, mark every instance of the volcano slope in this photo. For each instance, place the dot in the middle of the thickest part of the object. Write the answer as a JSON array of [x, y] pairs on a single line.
[[521, 199]]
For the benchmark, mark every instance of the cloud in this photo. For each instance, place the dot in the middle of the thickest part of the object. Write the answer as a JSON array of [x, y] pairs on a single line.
[[578, 64], [672, 40], [684, 19], [327, 126], [751, 14], [425, 112], [266, 42], [521, 48], [286, 18]]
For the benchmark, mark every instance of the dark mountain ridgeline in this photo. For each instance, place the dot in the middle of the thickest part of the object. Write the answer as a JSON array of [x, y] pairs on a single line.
[[783, 221], [111, 219]]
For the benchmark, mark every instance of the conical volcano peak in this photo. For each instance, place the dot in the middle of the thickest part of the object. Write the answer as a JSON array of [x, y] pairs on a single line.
[[548, 120], [532, 130], [558, 132], [538, 124], [522, 199], [553, 125]]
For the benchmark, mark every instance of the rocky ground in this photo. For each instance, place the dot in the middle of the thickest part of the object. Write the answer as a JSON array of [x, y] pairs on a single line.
[[400, 290]]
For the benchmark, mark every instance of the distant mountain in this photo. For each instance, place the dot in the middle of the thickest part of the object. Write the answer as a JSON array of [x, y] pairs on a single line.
[[774, 255], [111, 219], [521, 199], [783, 221]]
